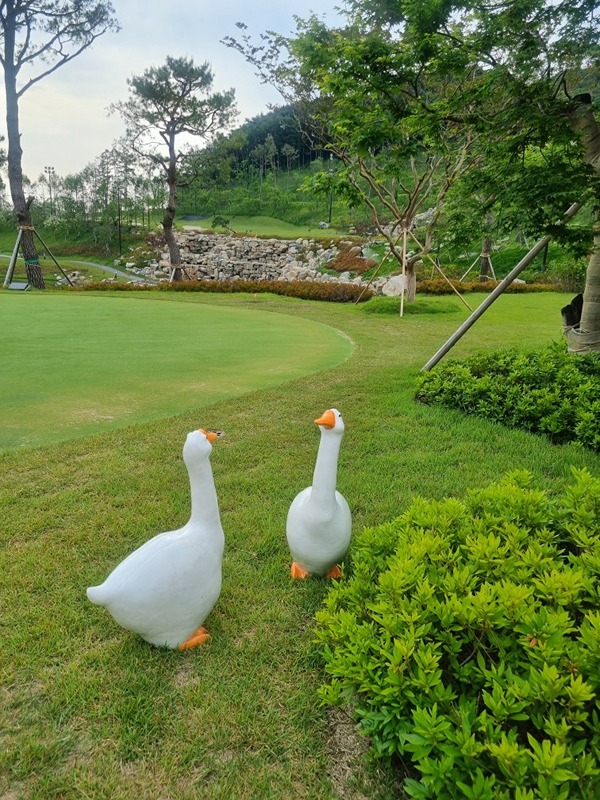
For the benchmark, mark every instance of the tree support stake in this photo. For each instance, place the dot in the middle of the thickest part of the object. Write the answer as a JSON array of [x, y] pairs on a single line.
[[495, 293]]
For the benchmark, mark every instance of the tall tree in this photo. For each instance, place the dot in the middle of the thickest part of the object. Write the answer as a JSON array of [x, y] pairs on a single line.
[[40, 37], [524, 82], [398, 159], [514, 80], [166, 102]]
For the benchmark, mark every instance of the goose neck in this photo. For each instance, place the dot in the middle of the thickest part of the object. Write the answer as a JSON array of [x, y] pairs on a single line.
[[205, 506], [325, 474]]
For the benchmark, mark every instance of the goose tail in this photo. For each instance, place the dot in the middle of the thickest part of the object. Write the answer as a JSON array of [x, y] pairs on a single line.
[[96, 595]]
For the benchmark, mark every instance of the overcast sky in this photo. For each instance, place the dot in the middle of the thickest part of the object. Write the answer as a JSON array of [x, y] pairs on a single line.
[[64, 121]]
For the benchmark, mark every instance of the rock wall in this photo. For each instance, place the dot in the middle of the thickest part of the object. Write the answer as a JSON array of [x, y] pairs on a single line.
[[208, 256]]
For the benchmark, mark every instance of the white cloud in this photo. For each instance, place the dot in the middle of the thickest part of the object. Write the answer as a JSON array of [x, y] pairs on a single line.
[[64, 121]]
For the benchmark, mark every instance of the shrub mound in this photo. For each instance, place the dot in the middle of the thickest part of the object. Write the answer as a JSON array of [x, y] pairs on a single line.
[[548, 391], [333, 292], [468, 642]]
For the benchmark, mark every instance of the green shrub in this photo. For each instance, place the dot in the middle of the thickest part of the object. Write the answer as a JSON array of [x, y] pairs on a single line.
[[440, 286], [468, 642], [332, 292], [548, 391]]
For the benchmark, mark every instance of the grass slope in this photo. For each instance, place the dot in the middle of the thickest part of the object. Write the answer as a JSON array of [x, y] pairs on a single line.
[[266, 226], [91, 711]]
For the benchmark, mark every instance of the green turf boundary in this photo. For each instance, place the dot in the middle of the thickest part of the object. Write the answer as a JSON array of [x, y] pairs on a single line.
[[74, 365]]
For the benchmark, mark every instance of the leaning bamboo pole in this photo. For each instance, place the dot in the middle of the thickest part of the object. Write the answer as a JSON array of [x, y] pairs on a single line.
[[13, 260], [495, 293]]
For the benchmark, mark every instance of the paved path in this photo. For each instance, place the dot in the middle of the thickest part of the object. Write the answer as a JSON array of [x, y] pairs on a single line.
[[129, 275], [112, 270]]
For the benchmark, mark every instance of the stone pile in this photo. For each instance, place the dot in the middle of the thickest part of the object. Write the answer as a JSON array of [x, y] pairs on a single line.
[[207, 256]]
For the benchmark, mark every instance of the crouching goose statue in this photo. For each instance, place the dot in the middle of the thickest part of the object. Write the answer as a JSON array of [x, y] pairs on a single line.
[[319, 522], [165, 589]]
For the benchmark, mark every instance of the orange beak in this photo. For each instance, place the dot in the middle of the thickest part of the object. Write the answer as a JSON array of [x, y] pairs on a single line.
[[212, 436], [327, 420]]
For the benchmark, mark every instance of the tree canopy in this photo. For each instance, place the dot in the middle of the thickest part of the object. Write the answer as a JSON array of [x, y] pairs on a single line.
[[164, 103], [501, 88]]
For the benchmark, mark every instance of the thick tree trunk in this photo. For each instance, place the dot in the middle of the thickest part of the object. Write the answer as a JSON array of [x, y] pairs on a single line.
[[169, 219], [411, 284], [15, 169], [586, 336]]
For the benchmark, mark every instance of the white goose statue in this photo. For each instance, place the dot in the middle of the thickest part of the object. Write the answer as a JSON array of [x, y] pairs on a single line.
[[319, 522], [165, 589]]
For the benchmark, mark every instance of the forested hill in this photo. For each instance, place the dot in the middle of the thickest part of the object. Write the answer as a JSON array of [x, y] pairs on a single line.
[[256, 169]]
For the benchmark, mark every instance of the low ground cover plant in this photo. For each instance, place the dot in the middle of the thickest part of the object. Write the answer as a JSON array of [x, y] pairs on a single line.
[[467, 640], [547, 391]]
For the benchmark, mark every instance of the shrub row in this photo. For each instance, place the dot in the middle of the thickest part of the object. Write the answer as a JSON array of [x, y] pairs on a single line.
[[306, 290], [549, 391], [440, 286], [467, 641]]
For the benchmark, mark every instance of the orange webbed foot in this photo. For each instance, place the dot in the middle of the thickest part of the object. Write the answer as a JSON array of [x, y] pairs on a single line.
[[197, 638], [297, 572], [334, 572]]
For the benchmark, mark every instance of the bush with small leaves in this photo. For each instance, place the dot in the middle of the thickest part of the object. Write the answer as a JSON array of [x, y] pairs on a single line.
[[547, 391], [467, 640]]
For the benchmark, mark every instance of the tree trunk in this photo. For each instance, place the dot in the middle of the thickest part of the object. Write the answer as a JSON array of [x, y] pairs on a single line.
[[411, 283], [14, 158], [169, 218], [485, 263], [586, 336]]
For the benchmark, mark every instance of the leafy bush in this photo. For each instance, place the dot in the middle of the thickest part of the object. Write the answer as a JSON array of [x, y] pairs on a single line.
[[548, 391], [332, 292], [440, 286], [468, 642], [348, 259]]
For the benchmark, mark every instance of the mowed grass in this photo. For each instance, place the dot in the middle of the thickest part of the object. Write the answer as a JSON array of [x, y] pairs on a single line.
[[79, 364], [88, 710], [267, 226]]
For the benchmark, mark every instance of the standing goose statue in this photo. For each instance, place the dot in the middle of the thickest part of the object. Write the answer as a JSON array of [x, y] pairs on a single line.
[[165, 589], [319, 522]]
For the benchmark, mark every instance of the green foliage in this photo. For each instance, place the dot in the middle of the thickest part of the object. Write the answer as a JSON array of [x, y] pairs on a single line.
[[332, 292], [547, 391], [440, 286], [391, 306], [468, 641]]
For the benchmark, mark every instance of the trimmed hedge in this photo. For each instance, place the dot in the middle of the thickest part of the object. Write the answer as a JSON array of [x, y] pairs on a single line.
[[333, 292], [467, 641], [440, 286], [549, 391]]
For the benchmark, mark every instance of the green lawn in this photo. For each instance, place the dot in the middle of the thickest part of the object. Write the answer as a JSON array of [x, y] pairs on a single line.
[[90, 711], [268, 226], [75, 365]]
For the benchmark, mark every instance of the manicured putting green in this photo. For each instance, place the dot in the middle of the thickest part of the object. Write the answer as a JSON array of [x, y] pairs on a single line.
[[73, 365]]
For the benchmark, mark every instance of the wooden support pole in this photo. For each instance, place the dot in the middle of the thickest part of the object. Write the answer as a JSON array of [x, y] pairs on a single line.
[[495, 294], [13, 260]]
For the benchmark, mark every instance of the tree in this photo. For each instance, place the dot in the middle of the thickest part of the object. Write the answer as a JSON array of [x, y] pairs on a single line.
[[398, 159], [523, 75], [165, 102], [39, 38], [513, 81]]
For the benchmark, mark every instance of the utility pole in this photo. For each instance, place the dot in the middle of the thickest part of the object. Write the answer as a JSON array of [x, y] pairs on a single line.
[[50, 173]]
